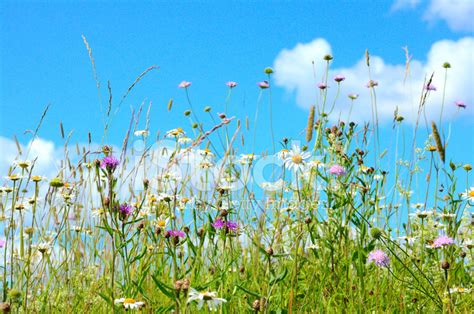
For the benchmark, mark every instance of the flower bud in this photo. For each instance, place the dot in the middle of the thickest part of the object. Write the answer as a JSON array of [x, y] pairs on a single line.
[[268, 70], [328, 57], [376, 233], [445, 265]]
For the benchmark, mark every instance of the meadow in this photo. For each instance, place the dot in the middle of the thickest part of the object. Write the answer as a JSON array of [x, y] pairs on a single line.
[[194, 220]]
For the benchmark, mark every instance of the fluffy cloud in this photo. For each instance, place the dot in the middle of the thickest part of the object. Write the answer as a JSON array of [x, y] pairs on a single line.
[[294, 72], [456, 13], [45, 153]]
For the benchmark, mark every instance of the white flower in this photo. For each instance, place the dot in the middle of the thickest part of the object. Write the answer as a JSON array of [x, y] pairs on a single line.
[[459, 290], [469, 194], [246, 159], [44, 247], [313, 164], [447, 216], [378, 177], [206, 165], [185, 140], [205, 153], [22, 163], [422, 214], [418, 205], [273, 186], [210, 298], [283, 154], [176, 133], [409, 240], [296, 158], [14, 177], [143, 133], [129, 303]]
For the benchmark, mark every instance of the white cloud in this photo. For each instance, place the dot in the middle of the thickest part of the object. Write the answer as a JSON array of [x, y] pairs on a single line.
[[293, 72], [44, 151], [404, 4], [458, 14]]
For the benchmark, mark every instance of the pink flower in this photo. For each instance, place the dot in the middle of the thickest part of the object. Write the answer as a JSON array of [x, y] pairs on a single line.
[[379, 258], [339, 78], [460, 104], [430, 87], [110, 163], [184, 84], [231, 84], [176, 233], [232, 225], [442, 241], [263, 84], [2, 243], [322, 86], [218, 223], [125, 210], [337, 170]]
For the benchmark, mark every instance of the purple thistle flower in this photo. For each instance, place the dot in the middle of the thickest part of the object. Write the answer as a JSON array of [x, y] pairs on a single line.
[[177, 233], [110, 163], [2, 243], [232, 225], [184, 84], [263, 84], [460, 104], [322, 86], [430, 87], [337, 170], [125, 210], [379, 258], [442, 241], [339, 78], [218, 223], [231, 84]]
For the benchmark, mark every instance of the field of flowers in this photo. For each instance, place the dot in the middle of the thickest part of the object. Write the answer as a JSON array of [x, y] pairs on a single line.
[[195, 220]]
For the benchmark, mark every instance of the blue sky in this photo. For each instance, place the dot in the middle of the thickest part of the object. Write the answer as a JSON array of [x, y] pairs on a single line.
[[43, 59]]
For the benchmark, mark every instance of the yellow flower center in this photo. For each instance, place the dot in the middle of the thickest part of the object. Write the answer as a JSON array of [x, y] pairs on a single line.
[[297, 159], [471, 193], [129, 301], [161, 223]]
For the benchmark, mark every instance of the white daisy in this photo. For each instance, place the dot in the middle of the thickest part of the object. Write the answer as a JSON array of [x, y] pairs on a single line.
[[246, 159], [185, 140], [296, 158], [129, 303], [273, 186], [143, 133], [283, 154], [209, 297], [459, 290], [22, 163], [176, 133], [469, 194], [422, 214]]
